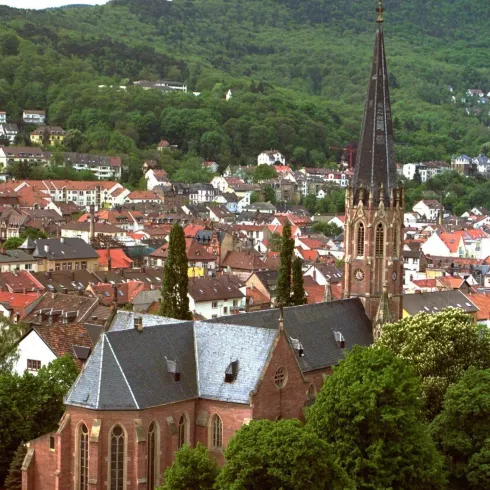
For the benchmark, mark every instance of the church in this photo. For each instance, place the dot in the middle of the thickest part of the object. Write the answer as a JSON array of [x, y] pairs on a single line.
[[153, 384]]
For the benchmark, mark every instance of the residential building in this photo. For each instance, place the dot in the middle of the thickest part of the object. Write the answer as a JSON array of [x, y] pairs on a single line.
[[16, 260], [143, 196], [464, 165], [14, 306], [33, 116], [76, 229], [3, 117], [8, 132], [270, 158], [104, 167], [426, 170], [65, 254], [211, 166], [214, 297], [15, 154], [200, 193], [265, 282], [156, 177], [162, 85], [44, 135]]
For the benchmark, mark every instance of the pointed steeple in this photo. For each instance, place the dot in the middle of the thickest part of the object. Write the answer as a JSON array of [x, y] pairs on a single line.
[[375, 165]]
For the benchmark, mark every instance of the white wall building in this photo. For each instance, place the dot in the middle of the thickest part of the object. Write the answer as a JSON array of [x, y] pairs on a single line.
[[270, 158]]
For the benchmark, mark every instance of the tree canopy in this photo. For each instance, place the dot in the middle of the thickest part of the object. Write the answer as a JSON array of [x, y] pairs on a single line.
[[192, 468], [440, 347], [462, 430], [279, 456], [283, 291], [369, 411]]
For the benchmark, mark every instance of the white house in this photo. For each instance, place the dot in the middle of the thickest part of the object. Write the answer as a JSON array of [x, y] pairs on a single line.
[[34, 117], [8, 131], [430, 208], [215, 297], [3, 117], [33, 353], [156, 177], [270, 158]]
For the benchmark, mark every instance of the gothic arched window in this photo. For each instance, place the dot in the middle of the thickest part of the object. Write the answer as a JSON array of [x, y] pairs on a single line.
[[360, 240], [117, 459], [216, 432], [183, 430], [380, 240], [82, 457], [152, 455]]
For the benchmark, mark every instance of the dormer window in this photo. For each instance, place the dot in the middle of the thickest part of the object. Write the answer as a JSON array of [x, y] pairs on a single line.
[[298, 347], [173, 369], [340, 339], [231, 372]]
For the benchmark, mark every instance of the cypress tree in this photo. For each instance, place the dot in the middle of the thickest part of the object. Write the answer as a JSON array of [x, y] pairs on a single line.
[[14, 477], [175, 303], [299, 296], [283, 296]]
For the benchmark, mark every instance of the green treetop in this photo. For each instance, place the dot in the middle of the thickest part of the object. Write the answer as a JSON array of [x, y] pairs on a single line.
[[279, 456], [369, 410], [462, 431], [299, 296], [283, 291], [192, 469], [439, 347], [175, 303]]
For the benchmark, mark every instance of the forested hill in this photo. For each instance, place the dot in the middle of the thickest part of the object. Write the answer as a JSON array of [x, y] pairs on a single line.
[[298, 71]]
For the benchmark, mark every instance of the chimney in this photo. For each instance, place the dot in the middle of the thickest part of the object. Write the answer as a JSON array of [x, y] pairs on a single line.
[[92, 226], [62, 239], [109, 260], [138, 323]]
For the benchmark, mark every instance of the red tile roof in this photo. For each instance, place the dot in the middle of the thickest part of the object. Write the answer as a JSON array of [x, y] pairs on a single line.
[[119, 260], [18, 302], [482, 301]]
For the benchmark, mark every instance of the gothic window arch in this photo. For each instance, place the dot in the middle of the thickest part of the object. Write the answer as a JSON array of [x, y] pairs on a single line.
[[396, 237], [153, 455], [380, 240], [82, 457], [216, 432], [117, 458], [361, 235], [183, 430]]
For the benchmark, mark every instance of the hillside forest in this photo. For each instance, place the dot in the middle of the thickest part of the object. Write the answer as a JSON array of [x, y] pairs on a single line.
[[298, 73]]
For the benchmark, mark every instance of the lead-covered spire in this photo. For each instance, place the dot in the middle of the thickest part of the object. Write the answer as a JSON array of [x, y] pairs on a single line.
[[375, 164]]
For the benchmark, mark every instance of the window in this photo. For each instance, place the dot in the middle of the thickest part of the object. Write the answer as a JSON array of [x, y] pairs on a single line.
[[281, 377], [216, 431], [225, 309], [183, 431], [77, 266], [235, 302], [84, 265], [82, 458], [152, 455], [57, 267], [33, 365], [380, 240], [28, 267], [214, 304], [65, 266], [117, 457], [52, 445], [360, 239], [69, 266]]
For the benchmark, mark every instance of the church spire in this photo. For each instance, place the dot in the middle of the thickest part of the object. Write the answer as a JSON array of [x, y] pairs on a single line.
[[375, 165]]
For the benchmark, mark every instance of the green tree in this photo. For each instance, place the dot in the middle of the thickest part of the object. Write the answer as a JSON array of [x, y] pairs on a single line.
[[275, 242], [31, 405], [440, 347], [14, 477], [192, 469], [74, 140], [283, 291], [462, 430], [12, 243], [10, 334], [369, 410], [254, 197], [328, 229], [279, 456], [299, 296], [264, 172], [175, 303], [269, 194]]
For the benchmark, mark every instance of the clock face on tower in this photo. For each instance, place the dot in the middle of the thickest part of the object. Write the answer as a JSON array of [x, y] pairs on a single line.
[[394, 276], [359, 275]]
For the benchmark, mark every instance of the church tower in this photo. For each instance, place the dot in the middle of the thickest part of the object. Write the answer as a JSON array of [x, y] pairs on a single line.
[[374, 205]]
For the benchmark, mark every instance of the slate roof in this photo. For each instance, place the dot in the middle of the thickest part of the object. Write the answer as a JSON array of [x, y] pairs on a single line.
[[210, 289], [15, 255], [313, 325], [437, 301], [118, 377], [70, 248]]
